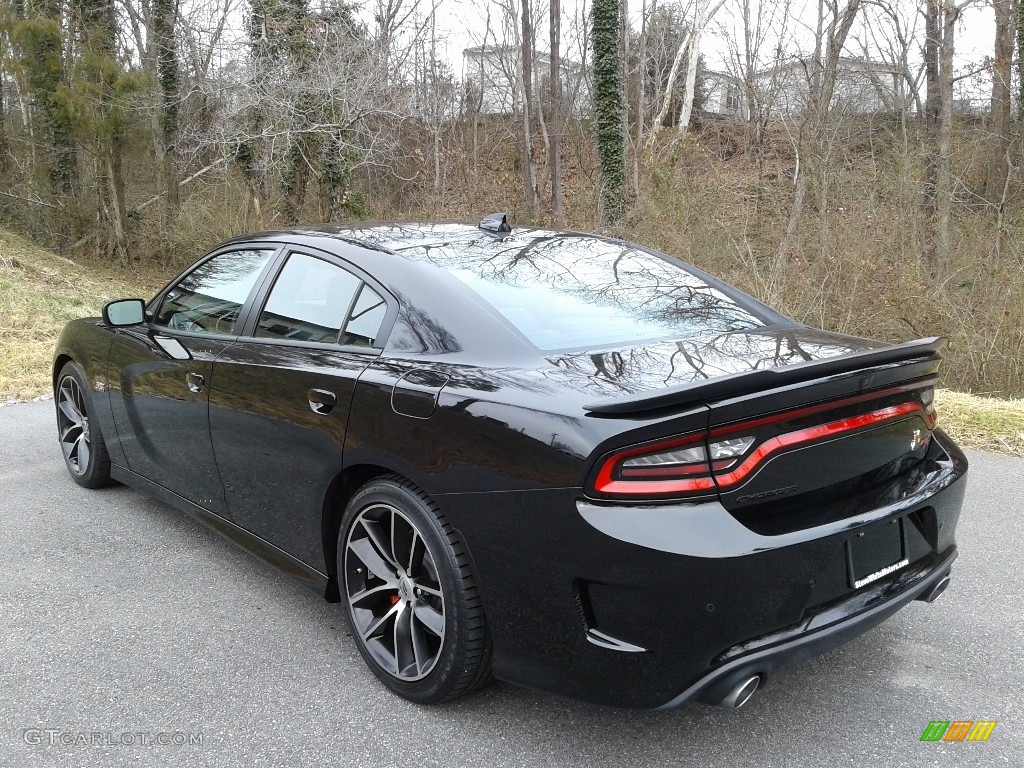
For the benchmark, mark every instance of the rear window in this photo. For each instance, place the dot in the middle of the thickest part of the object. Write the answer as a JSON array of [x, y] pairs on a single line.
[[575, 292]]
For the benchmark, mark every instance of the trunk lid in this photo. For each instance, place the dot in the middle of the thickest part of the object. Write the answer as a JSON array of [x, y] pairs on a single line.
[[795, 419]]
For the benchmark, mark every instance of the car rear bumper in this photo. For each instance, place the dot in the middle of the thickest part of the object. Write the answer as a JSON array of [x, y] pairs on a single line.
[[788, 648], [649, 606]]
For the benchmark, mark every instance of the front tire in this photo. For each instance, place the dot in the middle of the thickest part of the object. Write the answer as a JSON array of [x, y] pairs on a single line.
[[81, 442], [411, 598]]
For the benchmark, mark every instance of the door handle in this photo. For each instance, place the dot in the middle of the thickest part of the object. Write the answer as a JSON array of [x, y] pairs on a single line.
[[195, 382], [321, 401]]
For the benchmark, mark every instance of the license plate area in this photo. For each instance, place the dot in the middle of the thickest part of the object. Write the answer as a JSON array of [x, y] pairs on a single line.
[[876, 551]]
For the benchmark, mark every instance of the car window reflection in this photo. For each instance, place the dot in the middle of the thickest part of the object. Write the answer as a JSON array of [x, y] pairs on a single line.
[[308, 302], [208, 299], [574, 292]]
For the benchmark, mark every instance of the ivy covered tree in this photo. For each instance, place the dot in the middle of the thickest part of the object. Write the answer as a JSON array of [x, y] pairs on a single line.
[[102, 88], [303, 62], [37, 35], [168, 73], [609, 128]]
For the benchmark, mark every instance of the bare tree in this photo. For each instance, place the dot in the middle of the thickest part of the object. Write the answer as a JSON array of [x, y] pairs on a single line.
[[555, 35], [891, 35], [641, 98], [756, 35], [666, 100], [526, 53], [941, 17], [822, 70], [705, 13], [392, 18], [999, 161]]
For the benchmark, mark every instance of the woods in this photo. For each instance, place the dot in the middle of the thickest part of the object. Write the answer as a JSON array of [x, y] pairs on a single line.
[[840, 159]]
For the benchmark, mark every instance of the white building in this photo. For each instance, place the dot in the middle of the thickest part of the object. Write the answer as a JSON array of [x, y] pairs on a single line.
[[862, 87], [723, 95], [493, 77]]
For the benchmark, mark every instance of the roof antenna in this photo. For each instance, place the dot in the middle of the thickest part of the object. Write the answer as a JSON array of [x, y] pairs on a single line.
[[495, 222]]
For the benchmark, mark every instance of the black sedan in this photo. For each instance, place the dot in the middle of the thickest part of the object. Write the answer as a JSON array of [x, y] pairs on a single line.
[[563, 460]]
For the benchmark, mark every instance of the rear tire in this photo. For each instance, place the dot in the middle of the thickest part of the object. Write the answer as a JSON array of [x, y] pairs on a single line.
[[410, 595], [79, 435]]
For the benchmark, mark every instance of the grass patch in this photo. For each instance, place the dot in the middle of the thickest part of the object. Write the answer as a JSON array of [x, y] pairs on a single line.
[[40, 292], [984, 423]]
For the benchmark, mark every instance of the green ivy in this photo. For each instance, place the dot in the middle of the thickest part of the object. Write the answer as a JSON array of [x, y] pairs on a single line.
[[609, 131], [38, 41]]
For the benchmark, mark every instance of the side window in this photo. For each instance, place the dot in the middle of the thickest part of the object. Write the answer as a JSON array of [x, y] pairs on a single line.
[[364, 323], [207, 299], [308, 302]]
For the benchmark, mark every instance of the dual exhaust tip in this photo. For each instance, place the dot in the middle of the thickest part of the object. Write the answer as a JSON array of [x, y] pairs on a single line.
[[741, 692], [933, 594]]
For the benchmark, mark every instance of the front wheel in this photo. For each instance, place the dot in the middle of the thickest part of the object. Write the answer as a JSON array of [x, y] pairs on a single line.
[[81, 442], [411, 598]]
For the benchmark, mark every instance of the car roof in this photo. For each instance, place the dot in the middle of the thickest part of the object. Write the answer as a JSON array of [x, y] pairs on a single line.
[[439, 313], [398, 237]]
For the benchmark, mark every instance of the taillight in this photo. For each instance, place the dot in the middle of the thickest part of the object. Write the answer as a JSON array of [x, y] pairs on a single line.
[[702, 463], [681, 466], [677, 467]]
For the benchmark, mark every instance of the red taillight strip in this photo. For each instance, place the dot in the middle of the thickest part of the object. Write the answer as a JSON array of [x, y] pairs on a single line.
[[808, 410], [810, 434], [674, 471], [644, 487], [606, 483]]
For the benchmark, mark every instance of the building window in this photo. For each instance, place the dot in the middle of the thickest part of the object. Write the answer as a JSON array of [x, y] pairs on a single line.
[[732, 98]]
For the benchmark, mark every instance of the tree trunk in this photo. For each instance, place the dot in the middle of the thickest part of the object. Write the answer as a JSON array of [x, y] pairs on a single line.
[[641, 99], [933, 106], [703, 18], [686, 110], [435, 117], [555, 23], [673, 73], [164, 15], [944, 171], [998, 167], [99, 34], [1020, 61], [608, 127], [529, 180]]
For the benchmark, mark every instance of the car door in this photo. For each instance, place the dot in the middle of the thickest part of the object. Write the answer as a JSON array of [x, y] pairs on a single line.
[[160, 372], [280, 398]]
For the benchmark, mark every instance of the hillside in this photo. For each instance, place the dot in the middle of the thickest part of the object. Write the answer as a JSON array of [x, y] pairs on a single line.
[[40, 291]]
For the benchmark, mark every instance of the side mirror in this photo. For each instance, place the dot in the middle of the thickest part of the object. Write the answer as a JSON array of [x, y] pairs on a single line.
[[124, 312]]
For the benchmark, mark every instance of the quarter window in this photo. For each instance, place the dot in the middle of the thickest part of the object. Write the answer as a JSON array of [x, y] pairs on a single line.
[[366, 318], [309, 301], [208, 299]]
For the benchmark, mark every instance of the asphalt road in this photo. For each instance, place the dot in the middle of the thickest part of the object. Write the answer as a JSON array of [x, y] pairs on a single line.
[[123, 618]]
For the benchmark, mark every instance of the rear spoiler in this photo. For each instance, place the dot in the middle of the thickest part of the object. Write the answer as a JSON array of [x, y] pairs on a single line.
[[735, 384]]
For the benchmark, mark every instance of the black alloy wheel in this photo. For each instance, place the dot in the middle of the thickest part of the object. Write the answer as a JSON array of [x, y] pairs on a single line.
[[81, 440], [411, 599]]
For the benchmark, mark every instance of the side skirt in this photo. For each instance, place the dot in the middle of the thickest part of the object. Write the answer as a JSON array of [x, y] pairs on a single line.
[[251, 543]]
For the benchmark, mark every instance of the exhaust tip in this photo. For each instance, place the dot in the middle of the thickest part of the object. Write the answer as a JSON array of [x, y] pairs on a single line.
[[933, 594], [741, 692]]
